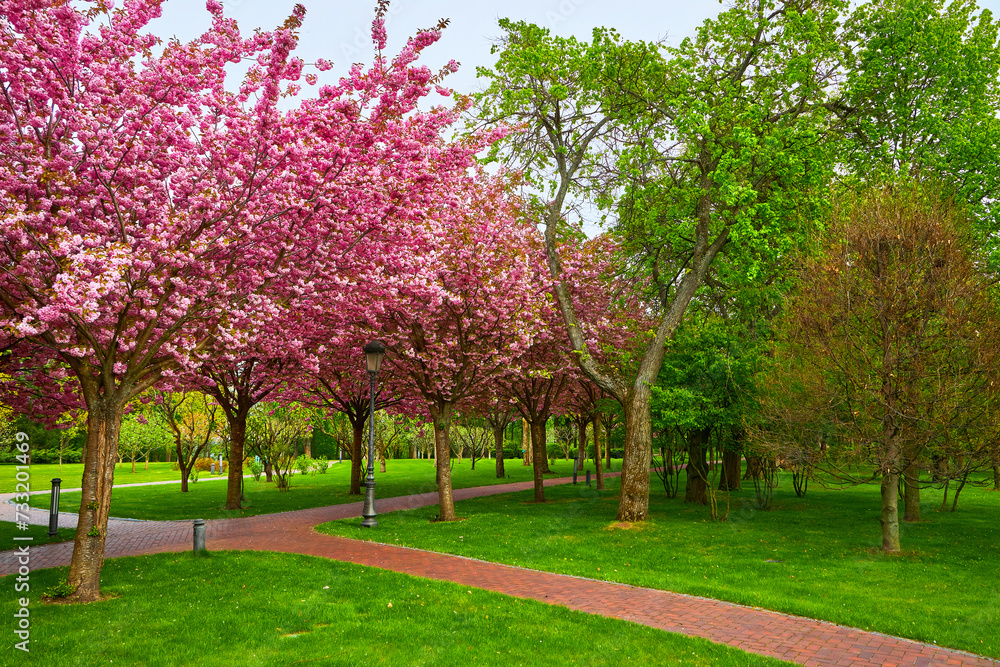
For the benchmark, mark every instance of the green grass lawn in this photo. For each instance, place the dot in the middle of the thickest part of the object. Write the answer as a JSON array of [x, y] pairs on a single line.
[[71, 474], [251, 608], [207, 500], [816, 557], [39, 535]]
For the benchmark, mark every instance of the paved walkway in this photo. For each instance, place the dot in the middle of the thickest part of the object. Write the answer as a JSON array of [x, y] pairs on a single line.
[[801, 640]]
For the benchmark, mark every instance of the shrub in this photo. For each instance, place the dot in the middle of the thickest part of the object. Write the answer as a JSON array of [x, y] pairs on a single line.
[[303, 464], [205, 464], [321, 465], [256, 468]]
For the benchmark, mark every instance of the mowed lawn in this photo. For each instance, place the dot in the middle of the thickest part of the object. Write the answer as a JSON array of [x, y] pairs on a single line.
[[817, 556], [41, 475], [207, 499], [261, 609]]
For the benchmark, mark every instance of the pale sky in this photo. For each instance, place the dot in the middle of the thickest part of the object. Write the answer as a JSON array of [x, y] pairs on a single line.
[[340, 31]]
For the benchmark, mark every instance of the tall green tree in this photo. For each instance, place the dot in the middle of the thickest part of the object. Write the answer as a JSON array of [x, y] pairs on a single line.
[[711, 149], [926, 100]]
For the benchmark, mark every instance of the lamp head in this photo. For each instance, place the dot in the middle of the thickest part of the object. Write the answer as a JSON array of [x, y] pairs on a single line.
[[374, 351]]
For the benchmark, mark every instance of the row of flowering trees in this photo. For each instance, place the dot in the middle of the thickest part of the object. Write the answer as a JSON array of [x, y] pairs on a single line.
[[164, 228]]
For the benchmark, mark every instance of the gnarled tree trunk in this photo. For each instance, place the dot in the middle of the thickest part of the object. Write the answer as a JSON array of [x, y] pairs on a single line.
[[237, 448], [104, 419], [634, 502]]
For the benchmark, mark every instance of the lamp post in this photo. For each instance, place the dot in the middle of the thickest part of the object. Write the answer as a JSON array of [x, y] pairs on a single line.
[[374, 351]]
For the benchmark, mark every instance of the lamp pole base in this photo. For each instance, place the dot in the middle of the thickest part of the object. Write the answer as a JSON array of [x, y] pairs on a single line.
[[368, 514]]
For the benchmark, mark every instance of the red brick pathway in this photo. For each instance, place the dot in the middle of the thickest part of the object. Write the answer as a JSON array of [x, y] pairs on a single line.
[[793, 638]]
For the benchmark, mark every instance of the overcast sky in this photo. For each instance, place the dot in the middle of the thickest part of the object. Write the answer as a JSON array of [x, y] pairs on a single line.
[[339, 30]]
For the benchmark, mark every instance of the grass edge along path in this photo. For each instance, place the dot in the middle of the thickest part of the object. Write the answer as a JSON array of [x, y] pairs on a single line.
[[320, 614], [549, 538], [404, 477]]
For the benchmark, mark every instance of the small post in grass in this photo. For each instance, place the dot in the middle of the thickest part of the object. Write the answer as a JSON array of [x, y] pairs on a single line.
[[575, 464], [199, 536], [54, 507], [588, 478]]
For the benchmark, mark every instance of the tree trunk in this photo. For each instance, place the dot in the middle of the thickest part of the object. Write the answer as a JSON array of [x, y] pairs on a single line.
[[237, 447], [358, 428], [381, 463], [697, 467], [961, 485], [309, 447], [441, 414], [996, 478], [104, 418], [730, 478], [890, 511], [581, 436], [911, 493], [634, 503], [543, 449], [526, 450], [540, 457], [597, 453], [268, 471], [607, 450], [498, 445]]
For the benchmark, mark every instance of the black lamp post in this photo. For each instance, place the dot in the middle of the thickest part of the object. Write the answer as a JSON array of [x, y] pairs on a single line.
[[374, 351]]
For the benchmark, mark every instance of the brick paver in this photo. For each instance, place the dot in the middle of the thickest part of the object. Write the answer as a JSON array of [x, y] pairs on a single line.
[[802, 640]]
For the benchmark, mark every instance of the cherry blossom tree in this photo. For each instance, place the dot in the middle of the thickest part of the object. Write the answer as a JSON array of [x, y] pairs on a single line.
[[152, 214], [545, 370], [340, 384], [474, 315]]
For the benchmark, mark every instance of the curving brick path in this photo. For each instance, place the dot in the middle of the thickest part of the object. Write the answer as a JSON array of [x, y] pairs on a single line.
[[802, 640]]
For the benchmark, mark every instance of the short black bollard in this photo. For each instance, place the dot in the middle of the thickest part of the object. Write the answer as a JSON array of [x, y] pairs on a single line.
[[54, 507], [199, 535], [588, 478], [575, 463]]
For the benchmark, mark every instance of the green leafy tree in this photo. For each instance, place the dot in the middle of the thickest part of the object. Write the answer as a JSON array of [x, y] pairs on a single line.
[[274, 433], [927, 100], [701, 399], [193, 419], [711, 149], [142, 431]]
